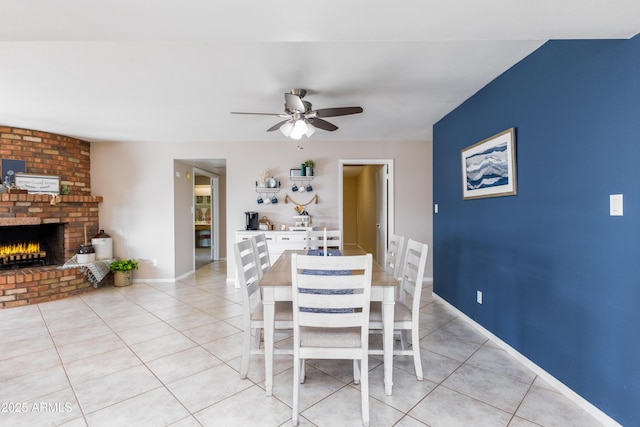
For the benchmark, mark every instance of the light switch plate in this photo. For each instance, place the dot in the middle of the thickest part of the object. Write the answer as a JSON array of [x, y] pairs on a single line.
[[615, 205]]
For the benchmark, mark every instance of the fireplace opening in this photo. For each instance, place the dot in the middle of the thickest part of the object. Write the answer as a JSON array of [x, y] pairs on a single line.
[[31, 245]]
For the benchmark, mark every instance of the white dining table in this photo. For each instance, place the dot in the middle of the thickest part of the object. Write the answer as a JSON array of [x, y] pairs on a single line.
[[276, 286]]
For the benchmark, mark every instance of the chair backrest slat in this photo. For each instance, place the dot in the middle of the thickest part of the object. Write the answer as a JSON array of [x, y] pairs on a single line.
[[415, 261], [261, 249], [328, 282], [316, 240], [393, 260]]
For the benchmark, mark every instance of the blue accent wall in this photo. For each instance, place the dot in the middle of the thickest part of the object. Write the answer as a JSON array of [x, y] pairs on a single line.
[[560, 277]]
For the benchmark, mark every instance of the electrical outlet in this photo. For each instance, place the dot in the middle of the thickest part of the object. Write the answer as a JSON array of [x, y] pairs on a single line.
[[479, 297], [155, 262]]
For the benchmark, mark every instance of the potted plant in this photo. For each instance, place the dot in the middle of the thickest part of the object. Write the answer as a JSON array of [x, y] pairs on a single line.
[[122, 270], [309, 165]]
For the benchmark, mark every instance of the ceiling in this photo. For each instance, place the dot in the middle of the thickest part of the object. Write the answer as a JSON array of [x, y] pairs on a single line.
[[173, 71]]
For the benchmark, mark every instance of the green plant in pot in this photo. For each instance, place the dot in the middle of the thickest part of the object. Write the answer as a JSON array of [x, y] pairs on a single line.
[[122, 270], [309, 165]]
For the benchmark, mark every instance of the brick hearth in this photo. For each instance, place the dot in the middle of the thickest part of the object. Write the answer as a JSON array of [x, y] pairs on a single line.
[[68, 158]]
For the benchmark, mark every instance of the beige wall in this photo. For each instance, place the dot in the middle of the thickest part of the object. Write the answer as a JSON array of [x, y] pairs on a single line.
[[143, 197], [183, 229]]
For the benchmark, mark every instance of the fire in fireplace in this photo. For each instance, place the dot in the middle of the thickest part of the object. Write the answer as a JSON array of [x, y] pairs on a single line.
[[22, 254], [31, 245]]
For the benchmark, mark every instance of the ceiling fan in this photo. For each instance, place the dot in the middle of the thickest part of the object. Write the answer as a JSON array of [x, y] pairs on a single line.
[[301, 119]]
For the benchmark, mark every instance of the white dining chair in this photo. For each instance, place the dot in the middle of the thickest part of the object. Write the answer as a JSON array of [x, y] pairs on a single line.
[[334, 240], [331, 300], [252, 314], [316, 240], [407, 306], [261, 249], [393, 259]]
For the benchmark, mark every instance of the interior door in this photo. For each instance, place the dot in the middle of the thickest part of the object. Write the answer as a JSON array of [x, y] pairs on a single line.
[[381, 215]]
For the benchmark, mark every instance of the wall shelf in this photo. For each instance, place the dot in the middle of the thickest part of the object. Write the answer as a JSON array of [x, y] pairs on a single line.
[[301, 178], [267, 190]]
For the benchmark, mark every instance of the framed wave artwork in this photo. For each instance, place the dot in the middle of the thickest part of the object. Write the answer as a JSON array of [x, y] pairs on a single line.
[[489, 167]]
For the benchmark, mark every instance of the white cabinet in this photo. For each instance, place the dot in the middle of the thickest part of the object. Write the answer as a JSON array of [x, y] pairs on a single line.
[[291, 240], [277, 241]]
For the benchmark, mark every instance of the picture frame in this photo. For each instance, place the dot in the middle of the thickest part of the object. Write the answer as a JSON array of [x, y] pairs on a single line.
[[11, 167], [489, 167], [38, 184], [295, 172]]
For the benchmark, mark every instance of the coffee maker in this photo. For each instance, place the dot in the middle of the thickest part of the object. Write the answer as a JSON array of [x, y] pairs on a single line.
[[251, 220]]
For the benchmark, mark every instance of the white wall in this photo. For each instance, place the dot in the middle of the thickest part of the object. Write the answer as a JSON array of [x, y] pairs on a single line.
[[138, 183]]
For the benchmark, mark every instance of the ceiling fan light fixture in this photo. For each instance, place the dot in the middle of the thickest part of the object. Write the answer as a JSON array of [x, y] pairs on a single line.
[[287, 128], [299, 128], [311, 129]]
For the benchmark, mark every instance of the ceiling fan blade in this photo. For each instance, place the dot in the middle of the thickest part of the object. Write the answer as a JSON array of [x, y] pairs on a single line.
[[262, 114], [323, 124], [341, 111], [277, 126], [293, 103]]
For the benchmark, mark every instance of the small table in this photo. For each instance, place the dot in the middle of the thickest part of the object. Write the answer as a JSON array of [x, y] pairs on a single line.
[[276, 286]]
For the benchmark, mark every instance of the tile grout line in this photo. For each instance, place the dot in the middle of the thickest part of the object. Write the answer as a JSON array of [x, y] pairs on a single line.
[[63, 366]]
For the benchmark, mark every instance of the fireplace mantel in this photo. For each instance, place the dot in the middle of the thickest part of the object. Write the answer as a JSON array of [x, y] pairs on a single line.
[[47, 198], [33, 202]]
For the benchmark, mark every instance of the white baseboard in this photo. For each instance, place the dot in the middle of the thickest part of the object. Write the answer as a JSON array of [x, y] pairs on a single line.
[[554, 382], [154, 280]]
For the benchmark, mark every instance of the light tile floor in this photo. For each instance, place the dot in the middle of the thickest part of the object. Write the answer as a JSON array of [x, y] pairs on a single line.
[[169, 354]]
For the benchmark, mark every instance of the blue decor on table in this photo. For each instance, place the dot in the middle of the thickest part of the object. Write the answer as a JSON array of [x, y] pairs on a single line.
[[320, 252]]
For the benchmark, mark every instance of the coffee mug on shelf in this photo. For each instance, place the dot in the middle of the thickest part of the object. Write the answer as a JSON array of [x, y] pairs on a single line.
[[302, 189], [274, 200], [309, 187], [260, 200], [294, 188], [267, 200]]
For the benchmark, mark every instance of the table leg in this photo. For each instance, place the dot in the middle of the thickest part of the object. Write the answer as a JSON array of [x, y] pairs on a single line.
[[387, 336], [269, 326]]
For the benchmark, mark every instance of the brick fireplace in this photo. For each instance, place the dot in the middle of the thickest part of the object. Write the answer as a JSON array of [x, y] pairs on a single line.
[[68, 158]]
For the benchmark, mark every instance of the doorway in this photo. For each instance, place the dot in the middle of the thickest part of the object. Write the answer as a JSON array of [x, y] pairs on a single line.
[[206, 217], [366, 205]]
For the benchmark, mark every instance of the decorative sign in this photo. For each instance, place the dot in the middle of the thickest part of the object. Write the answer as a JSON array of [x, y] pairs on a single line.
[[38, 184]]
